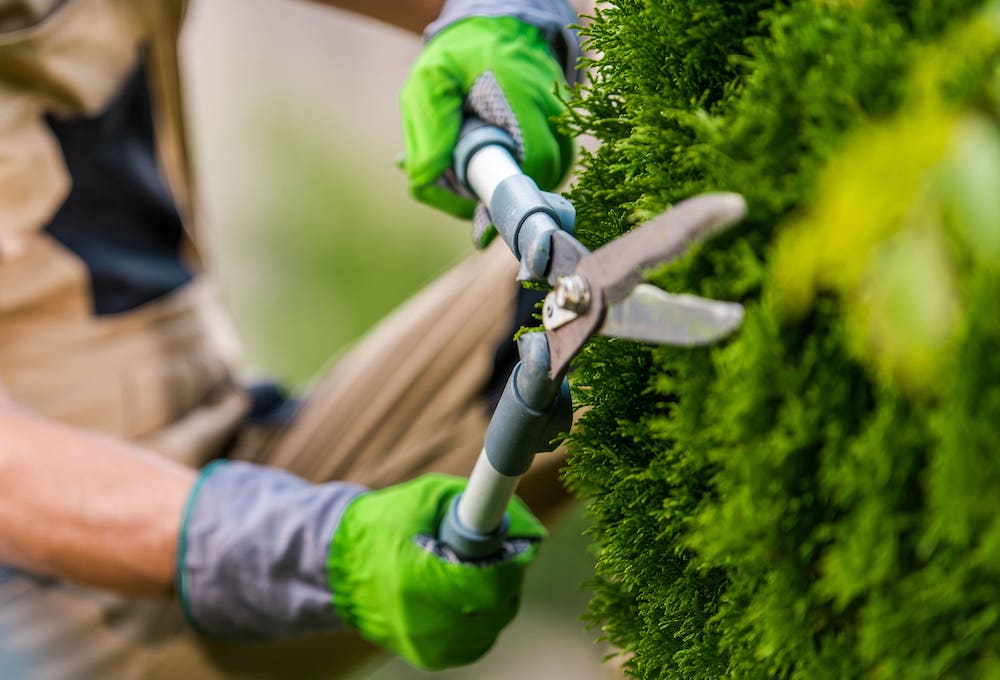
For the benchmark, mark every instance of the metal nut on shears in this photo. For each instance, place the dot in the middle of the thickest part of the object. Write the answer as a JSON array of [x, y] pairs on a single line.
[[572, 293], [569, 299]]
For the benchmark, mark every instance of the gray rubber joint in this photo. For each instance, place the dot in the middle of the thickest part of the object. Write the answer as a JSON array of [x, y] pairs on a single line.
[[474, 136], [471, 544]]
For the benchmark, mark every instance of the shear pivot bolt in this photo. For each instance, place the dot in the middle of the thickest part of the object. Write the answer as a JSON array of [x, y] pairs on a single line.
[[573, 293]]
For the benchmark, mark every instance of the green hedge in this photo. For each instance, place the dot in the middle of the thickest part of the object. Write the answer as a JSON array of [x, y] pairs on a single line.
[[819, 496]]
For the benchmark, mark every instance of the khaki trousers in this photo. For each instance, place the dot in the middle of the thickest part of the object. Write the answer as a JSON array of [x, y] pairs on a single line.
[[406, 400]]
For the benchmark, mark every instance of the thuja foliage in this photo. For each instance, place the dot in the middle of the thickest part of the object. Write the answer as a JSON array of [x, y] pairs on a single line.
[[818, 496]]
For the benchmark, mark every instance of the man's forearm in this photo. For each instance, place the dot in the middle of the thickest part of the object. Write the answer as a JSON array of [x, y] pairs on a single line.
[[88, 508], [412, 15]]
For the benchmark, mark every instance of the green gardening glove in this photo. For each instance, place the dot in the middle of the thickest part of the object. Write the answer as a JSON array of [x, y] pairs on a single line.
[[500, 70], [398, 587]]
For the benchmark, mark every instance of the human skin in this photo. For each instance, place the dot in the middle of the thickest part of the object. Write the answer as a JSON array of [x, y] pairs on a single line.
[[412, 15], [87, 508]]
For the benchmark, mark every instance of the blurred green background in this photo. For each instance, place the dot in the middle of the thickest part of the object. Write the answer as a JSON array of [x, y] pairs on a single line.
[[295, 127]]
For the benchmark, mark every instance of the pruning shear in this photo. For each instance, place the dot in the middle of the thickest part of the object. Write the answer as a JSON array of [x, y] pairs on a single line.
[[593, 293], [602, 292]]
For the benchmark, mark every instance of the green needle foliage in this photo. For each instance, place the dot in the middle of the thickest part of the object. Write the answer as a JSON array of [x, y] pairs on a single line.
[[818, 496]]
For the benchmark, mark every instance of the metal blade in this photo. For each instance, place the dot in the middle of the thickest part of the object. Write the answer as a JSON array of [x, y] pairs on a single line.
[[566, 255], [617, 266], [652, 315], [566, 340]]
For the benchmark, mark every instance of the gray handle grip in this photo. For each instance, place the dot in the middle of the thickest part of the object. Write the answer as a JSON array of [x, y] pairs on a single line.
[[533, 410], [484, 157]]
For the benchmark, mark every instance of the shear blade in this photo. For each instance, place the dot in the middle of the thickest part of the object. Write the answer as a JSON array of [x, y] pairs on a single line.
[[650, 314], [617, 266]]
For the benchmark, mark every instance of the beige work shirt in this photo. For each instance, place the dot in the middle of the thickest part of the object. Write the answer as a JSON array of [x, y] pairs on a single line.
[[131, 374]]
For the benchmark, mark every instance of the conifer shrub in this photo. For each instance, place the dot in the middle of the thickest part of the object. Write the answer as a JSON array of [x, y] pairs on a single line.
[[818, 496]]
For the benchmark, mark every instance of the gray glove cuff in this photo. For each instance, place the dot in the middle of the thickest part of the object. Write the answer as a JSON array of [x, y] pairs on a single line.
[[253, 552], [552, 16]]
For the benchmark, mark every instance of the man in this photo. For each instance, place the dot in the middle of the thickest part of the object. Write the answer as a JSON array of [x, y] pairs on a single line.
[[119, 388]]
